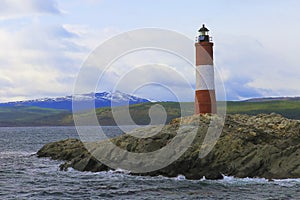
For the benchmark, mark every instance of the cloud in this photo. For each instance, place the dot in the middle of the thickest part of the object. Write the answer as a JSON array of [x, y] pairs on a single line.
[[250, 69], [41, 56], [33, 62], [136, 71], [40, 60], [154, 81], [19, 8]]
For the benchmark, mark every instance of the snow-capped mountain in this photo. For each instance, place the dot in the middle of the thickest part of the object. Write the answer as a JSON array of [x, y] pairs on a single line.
[[102, 99]]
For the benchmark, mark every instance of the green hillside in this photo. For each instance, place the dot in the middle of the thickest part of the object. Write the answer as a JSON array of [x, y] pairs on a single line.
[[139, 112], [31, 116], [288, 109], [34, 116]]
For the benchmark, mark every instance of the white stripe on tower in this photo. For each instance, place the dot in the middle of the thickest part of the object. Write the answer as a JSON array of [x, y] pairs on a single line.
[[205, 77]]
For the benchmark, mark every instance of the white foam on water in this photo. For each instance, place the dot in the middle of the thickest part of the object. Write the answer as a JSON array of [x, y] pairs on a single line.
[[227, 180], [119, 171], [242, 181], [290, 182], [7, 154], [180, 178]]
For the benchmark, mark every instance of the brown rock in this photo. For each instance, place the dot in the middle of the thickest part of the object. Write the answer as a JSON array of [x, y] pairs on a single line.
[[265, 146]]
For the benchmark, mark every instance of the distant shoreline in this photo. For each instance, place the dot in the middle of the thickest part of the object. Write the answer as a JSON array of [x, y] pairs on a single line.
[[40, 117]]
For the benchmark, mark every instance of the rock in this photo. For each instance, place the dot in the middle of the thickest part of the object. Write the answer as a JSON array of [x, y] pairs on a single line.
[[62, 150], [266, 146], [74, 153]]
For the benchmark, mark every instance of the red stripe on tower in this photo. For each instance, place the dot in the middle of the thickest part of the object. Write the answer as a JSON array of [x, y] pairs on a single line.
[[205, 97]]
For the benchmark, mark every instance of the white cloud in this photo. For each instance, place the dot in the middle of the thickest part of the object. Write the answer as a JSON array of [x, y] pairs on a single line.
[[40, 56], [33, 62], [252, 69], [20, 8], [90, 37], [38, 60], [144, 68]]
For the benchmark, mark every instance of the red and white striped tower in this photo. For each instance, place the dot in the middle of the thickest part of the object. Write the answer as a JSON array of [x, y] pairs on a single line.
[[205, 97]]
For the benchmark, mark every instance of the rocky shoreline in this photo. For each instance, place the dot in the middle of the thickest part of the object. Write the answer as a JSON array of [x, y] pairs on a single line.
[[265, 146]]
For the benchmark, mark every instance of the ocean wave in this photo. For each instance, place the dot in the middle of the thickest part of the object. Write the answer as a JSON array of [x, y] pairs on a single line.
[[227, 180], [6, 154]]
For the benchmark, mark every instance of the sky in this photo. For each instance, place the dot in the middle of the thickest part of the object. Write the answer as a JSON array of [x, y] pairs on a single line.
[[45, 43]]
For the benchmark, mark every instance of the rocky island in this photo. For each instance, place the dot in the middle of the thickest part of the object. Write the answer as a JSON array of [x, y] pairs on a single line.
[[265, 146]]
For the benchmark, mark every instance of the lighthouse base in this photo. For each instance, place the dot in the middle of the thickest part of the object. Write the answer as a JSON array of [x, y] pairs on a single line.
[[205, 102]]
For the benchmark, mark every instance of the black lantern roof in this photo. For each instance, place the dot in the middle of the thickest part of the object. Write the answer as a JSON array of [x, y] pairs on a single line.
[[203, 29]]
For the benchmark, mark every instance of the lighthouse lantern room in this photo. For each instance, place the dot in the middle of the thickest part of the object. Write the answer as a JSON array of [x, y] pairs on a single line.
[[203, 34]]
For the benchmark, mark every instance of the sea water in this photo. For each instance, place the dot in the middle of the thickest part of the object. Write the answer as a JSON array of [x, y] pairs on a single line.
[[24, 176]]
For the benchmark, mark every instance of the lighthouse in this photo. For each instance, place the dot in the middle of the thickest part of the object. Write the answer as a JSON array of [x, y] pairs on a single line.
[[205, 97]]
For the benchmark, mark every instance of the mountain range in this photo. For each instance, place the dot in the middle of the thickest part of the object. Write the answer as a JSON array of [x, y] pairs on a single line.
[[103, 99], [106, 99], [58, 111]]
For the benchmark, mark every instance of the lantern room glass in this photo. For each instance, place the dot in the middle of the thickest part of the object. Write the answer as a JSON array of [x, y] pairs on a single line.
[[203, 33]]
